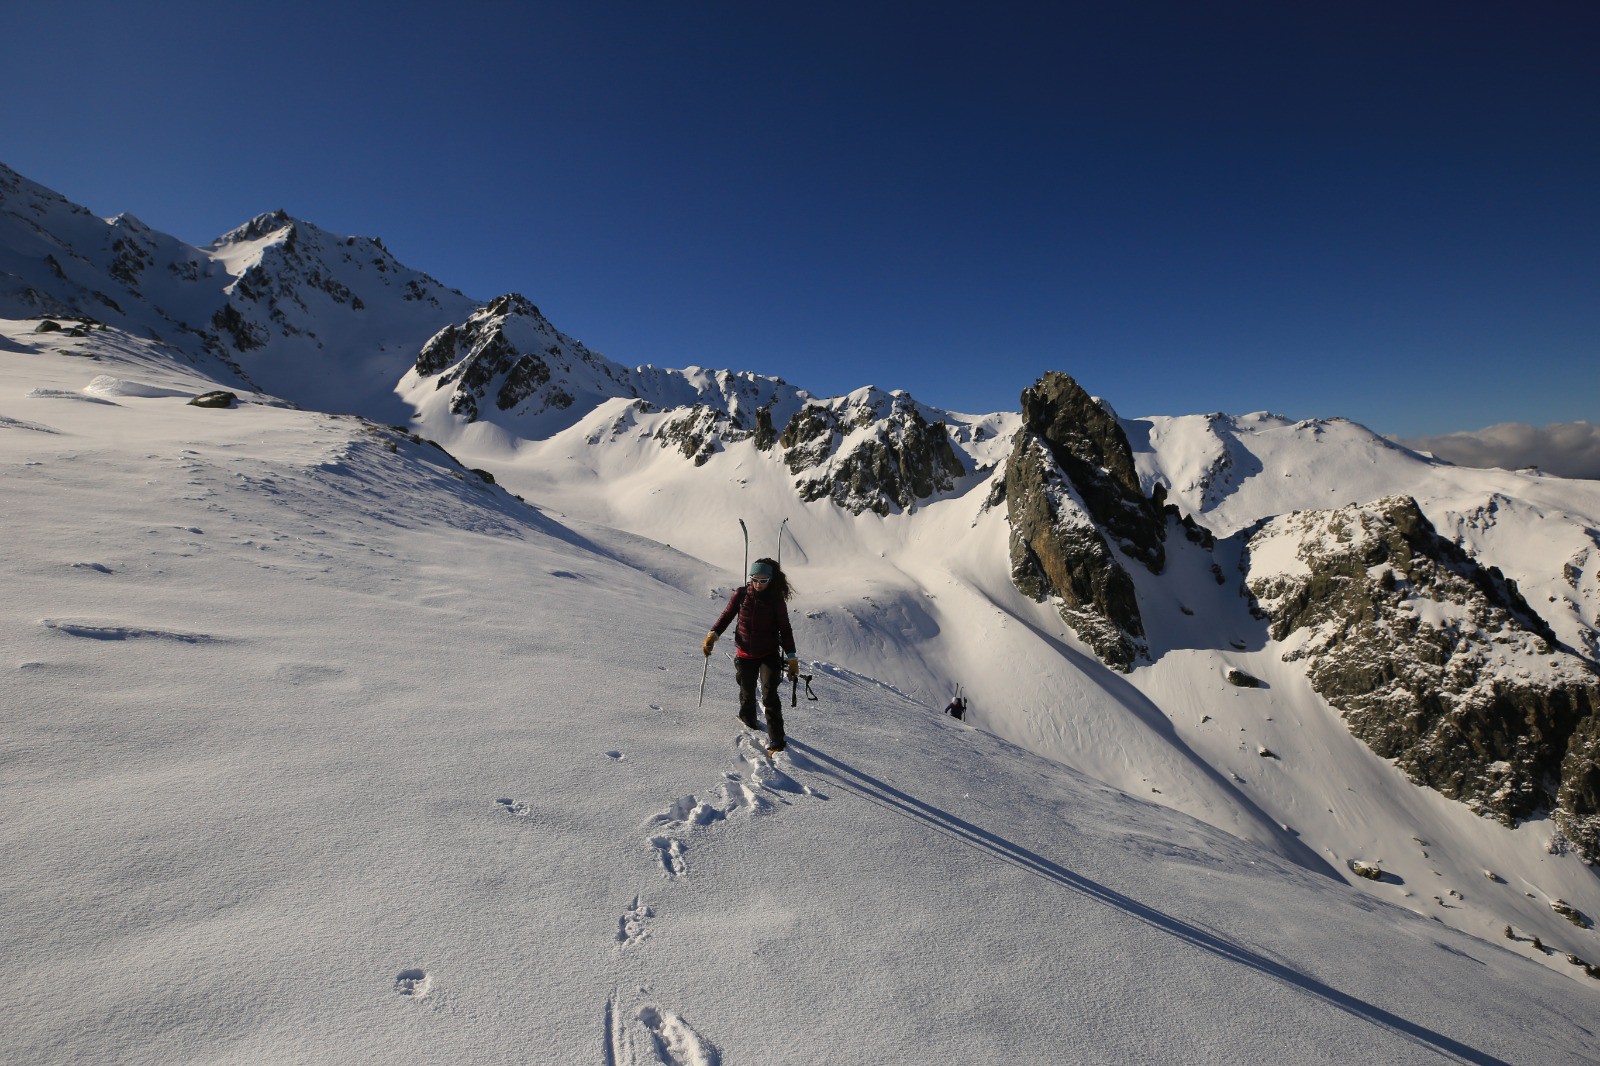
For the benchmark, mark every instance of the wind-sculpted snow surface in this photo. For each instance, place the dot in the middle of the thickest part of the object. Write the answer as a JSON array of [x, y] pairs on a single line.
[[468, 714], [402, 808]]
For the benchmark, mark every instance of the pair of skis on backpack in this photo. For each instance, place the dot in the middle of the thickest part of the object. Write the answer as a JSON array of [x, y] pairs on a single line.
[[794, 683], [771, 750]]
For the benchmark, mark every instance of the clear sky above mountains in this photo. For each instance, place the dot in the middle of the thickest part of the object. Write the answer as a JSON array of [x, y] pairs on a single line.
[[1382, 211]]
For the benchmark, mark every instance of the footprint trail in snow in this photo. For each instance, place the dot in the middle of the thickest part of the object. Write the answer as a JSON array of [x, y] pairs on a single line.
[[648, 1035], [755, 784]]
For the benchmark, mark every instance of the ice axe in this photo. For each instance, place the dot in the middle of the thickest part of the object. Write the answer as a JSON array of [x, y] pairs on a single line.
[[794, 689]]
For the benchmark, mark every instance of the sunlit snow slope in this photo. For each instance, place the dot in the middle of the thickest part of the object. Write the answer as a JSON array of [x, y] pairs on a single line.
[[924, 600], [319, 748]]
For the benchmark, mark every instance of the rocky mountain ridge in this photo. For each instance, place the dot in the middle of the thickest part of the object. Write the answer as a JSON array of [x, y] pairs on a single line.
[[868, 451], [1435, 661]]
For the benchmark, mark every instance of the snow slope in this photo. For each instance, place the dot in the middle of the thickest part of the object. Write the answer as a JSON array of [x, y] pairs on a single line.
[[319, 748], [924, 601]]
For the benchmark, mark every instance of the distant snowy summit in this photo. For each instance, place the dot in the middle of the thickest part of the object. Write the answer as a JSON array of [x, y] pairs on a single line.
[[277, 305]]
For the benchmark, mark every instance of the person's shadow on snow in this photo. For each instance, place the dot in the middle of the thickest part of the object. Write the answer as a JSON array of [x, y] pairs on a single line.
[[873, 790]]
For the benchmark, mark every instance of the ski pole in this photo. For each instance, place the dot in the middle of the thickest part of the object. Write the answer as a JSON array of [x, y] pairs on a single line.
[[745, 574], [703, 671]]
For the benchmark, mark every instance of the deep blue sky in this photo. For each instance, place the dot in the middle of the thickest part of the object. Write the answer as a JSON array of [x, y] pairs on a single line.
[[1388, 211]]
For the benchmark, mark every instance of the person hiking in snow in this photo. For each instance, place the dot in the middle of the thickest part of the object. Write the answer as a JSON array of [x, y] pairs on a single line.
[[957, 708], [764, 643]]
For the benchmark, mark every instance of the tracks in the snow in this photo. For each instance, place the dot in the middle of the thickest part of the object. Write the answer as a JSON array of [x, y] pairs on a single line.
[[642, 1032]]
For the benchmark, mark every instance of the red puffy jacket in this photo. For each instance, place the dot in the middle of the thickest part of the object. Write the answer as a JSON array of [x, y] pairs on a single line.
[[763, 624]]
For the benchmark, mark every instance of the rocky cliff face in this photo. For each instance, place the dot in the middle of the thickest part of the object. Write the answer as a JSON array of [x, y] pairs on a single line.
[[1072, 492], [509, 355], [1434, 661], [870, 451]]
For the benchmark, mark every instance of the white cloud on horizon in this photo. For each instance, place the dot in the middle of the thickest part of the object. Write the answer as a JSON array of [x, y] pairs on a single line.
[[1566, 449]]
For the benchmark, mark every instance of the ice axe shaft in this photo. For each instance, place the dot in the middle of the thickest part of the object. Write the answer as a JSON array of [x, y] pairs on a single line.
[[703, 671]]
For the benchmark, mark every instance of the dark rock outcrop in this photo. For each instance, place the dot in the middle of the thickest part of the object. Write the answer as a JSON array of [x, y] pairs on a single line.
[[809, 438], [1071, 491], [245, 335], [698, 432], [481, 359], [766, 433], [1239, 679], [1434, 661], [872, 452], [439, 353], [1578, 798]]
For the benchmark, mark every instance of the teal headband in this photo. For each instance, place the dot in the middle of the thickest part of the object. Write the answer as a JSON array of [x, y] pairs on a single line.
[[760, 569]]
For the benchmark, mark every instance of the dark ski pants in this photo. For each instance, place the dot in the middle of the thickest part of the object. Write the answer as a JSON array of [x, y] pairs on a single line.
[[769, 672]]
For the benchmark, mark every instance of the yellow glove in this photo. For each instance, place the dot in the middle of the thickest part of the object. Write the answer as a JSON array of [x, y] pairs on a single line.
[[792, 668], [711, 641]]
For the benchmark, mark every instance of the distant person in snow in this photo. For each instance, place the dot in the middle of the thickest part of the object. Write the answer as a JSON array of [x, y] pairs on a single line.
[[764, 644], [957, 708]]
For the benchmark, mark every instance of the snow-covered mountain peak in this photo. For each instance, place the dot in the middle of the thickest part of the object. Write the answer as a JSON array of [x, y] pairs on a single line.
[[1231, 471], [267, 224], [128, 222], [277, 304]]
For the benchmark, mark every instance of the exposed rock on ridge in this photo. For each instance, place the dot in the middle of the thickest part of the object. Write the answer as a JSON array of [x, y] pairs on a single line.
[[871, 451], [508, 358], [1071, 492], [1434, 661], [477, 358]]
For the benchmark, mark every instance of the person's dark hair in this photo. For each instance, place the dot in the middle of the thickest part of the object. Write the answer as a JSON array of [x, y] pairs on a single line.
[[780, 586]]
